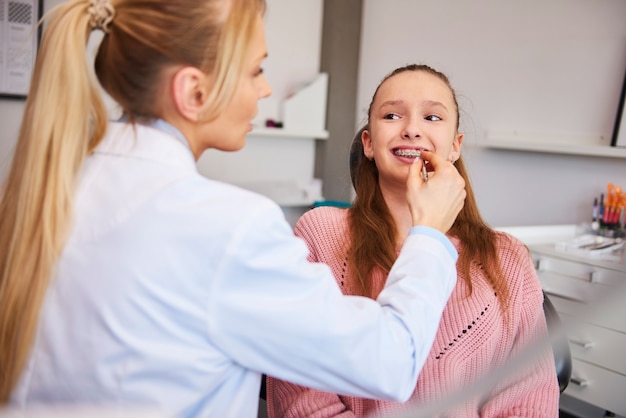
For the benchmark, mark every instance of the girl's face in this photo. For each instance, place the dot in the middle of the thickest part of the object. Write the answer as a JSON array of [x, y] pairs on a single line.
[[412, 111], [228, 132]]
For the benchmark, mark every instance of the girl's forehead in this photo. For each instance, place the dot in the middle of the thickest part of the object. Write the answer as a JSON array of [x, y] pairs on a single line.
[[414, 81], [414, 85]]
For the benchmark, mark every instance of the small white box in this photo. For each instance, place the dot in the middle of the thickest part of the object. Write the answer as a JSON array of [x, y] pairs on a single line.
[[305, 110]]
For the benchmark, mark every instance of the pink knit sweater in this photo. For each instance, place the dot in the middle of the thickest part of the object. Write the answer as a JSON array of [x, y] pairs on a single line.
[[473, 338]]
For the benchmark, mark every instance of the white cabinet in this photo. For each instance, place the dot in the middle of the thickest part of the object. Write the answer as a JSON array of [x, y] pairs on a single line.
[[590, 296]]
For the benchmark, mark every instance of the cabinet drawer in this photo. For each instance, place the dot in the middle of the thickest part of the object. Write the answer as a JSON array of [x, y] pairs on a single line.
[[578, 270], [598, 386], [574, 289], [608, 312], [598, 346]]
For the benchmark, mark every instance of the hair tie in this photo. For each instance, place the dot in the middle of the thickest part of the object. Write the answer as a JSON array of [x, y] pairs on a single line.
[[101, 13]]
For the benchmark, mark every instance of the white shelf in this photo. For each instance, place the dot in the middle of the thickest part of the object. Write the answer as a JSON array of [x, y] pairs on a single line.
[[288, 203], [286, 133], [540, 234], [563, 144], [287, 193]]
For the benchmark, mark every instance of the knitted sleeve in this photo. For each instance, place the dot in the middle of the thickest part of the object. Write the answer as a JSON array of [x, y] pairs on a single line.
[[532, 390], [288, 400], [323, 230]]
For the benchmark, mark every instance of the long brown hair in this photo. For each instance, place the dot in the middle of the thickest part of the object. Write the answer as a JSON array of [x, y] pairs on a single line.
[[65, 118], [374, 231]]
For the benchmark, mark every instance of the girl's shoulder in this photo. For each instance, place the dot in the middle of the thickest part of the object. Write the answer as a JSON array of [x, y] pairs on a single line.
[[324, 217], [324, 227], [509, 246], [518, 266]]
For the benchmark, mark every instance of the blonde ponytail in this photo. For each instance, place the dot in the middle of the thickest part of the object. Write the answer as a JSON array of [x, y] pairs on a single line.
[[64, 119]]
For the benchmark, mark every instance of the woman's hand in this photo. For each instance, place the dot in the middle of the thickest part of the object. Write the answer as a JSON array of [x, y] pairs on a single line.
[[436, 202]]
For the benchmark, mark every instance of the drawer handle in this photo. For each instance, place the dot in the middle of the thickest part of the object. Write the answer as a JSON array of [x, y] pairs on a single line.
[[594, 276], [540, 264], [581, 343], [562, 296], [579, 381]]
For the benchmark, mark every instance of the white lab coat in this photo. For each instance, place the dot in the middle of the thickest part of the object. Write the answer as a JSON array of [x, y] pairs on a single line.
[[178, 291]]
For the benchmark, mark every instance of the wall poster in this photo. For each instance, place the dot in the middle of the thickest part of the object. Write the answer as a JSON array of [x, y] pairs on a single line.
[[19, 38]]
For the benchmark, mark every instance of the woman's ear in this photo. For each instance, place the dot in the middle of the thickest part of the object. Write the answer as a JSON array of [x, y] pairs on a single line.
[[189, 92]]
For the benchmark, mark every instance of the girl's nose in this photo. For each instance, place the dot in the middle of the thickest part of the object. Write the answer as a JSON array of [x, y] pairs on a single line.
[[411, 131]]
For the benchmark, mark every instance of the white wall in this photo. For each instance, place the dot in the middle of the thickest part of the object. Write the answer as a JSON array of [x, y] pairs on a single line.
[[294, 36], [10, 118], [551, 67], [293, 31], [548, 67], [278, 166]]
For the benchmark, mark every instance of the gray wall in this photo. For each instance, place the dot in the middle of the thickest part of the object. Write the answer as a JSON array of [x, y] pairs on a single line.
[[341, 37]]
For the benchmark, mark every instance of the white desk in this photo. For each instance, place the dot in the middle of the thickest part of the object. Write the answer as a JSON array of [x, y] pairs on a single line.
[[590, 296]]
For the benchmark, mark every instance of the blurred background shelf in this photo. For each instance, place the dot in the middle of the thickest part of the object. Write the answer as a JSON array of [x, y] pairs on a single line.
[[288, 133], [596, 146]]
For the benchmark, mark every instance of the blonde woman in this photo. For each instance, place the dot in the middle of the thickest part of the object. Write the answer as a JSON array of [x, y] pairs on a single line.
[[496, 308], [126, 278]]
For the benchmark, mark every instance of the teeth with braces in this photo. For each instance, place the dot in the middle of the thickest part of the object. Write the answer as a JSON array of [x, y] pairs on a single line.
[[410, 153]]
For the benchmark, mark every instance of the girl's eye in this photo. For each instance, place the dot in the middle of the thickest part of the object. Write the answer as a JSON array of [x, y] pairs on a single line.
[[433, 118], [391, 116], [259, 71]]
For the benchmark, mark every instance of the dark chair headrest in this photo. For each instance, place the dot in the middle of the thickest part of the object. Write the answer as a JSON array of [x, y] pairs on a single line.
[[356, 153]]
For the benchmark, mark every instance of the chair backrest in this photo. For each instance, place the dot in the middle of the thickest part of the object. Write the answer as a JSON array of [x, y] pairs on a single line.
[[560, 343], [558, 338], [356, 152]]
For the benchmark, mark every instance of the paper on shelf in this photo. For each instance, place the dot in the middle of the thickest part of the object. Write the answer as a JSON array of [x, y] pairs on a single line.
[[589, 245], [306, 108]]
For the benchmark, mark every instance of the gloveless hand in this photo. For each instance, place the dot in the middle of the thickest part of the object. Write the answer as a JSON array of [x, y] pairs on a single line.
[[437, 202]]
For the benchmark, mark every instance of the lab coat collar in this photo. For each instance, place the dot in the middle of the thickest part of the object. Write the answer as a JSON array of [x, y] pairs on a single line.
[[159, 142]]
